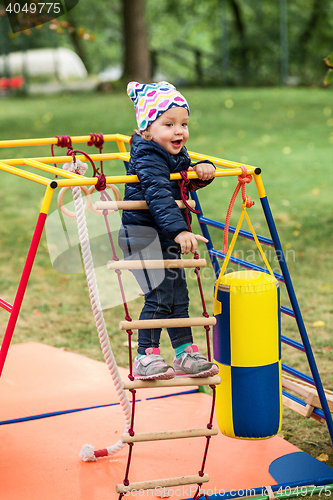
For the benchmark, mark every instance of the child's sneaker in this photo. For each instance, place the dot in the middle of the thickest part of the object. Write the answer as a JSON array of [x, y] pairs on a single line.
[[194, 364], [152, 366]]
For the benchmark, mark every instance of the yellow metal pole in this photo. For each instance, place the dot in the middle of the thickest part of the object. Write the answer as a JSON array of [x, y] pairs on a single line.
[[259, 183], [47, 199], [121, 146], [122, 179], [52, 170], [218, 161], [22, 173], [53, 140], [66, 159]]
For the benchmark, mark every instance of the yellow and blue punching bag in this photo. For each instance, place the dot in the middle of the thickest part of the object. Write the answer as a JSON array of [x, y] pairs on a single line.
[[247, 349]]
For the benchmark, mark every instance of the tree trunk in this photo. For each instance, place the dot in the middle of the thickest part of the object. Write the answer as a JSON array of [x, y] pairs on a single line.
[[136, 57], [77, 42], [242, 38], [318, 12]]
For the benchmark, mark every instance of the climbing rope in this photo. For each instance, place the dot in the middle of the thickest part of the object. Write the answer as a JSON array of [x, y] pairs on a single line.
[[87, 453], [242, 181]]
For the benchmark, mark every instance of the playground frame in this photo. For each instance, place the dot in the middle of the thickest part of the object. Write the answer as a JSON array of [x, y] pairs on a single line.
[[224, 169]]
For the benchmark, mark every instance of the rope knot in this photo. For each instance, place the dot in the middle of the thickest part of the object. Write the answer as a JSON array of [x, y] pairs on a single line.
[[244, 179], [96, 140], [101, 182], [248, 202], [64, 141], [185, 179]]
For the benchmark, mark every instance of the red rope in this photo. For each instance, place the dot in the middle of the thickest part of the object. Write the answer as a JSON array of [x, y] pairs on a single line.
[[64, 141], [183, 191], [198, 494], [184, 196], [104, 197], [98, 141], [126, 480], [74, 153], [101, 182], [242, 181]]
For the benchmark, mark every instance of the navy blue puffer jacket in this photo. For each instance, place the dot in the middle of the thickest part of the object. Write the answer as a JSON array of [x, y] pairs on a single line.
[[153, 166]]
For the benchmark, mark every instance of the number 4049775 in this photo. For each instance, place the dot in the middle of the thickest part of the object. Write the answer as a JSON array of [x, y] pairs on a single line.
[[34, 8]]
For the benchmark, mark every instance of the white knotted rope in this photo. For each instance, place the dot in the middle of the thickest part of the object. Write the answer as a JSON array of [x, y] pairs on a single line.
[[87, 452]]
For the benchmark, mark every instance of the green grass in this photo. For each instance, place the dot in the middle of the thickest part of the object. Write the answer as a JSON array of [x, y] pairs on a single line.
[[288, 133]]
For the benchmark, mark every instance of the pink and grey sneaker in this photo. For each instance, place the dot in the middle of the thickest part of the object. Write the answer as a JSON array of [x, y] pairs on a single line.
[[194, 364], [152, 366]]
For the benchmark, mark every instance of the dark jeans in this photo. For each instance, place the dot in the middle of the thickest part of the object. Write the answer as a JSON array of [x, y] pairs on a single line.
[[164, 298]]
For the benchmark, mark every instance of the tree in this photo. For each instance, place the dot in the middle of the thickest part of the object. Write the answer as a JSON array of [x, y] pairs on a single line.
[[318, 12], [136, 55], [243, 44]]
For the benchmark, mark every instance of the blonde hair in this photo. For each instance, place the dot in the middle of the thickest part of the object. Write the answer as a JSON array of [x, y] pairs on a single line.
[[145, 134]]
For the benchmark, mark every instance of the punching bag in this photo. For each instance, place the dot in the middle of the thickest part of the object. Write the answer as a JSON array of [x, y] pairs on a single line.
[[247, 350]]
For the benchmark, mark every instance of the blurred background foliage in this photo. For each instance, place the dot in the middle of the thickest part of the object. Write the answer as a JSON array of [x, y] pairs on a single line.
[[201, 42]]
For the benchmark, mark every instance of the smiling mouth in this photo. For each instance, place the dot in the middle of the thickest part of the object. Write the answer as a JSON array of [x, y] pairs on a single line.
[[176, 144]]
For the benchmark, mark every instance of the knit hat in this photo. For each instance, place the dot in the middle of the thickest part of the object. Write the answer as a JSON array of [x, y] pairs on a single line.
[[153, 99]]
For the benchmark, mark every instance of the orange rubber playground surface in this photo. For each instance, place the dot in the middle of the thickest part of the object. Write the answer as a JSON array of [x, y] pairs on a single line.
[[52, 402]]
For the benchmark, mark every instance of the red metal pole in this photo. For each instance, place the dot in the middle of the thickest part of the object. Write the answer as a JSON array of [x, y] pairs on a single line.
[[6, 305], [26, 274]]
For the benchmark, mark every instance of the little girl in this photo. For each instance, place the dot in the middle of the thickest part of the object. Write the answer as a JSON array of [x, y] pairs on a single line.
[[157, 150]]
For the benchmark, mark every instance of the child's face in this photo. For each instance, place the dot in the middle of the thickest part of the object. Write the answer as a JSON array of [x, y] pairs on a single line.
[[170, 129]]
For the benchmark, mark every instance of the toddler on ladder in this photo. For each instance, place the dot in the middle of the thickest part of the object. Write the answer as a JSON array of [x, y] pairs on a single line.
[[157, 150]]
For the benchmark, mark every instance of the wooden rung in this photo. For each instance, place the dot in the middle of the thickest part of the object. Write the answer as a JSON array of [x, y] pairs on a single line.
[[159, 436], [156, 264], [298, 408], [133, 205], [293, 385], [307, 391], [305, 384], [293, 405], [166, 323], [174, 382], [313, 400], [162, 483]]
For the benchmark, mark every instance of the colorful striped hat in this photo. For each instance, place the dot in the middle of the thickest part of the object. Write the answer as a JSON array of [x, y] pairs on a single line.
[[153, 99]]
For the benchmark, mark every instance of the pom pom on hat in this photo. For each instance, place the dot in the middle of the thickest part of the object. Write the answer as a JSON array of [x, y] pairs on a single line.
[[152, 99]]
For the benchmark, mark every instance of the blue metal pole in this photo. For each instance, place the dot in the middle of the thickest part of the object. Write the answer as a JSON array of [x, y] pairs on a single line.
[[206, 234], [297, 312]]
